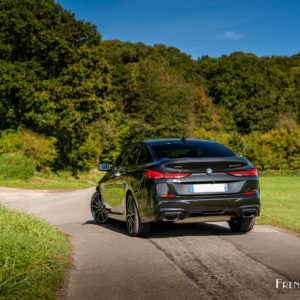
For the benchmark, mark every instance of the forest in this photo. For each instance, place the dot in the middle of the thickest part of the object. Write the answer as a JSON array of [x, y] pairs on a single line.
[[69, 99]]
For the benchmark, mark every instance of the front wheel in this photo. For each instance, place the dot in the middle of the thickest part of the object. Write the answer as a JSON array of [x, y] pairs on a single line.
[[242, 224], [134, 226], [98, 209]]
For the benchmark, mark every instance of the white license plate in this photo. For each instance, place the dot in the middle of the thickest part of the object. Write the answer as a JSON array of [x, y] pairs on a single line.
[[209, 188]]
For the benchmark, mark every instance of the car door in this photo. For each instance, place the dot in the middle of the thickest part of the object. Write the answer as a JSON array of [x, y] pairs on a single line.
[[113, 189], [136, 177], [130, 166]]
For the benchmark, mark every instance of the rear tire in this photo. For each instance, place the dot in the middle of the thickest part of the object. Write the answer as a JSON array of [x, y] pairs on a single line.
[[133, 221], [241, 224]]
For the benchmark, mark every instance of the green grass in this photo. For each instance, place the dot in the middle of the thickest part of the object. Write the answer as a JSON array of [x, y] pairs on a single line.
[[33, 257], [62, 180], [280, 202], [15, 166]]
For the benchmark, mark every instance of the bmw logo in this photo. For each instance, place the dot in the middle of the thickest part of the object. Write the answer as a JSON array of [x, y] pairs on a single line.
[[209, 171]]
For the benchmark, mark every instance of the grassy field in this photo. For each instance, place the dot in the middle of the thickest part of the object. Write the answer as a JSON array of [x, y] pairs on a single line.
[[33, 257], [280, 202], [280, 195], [61, 180]]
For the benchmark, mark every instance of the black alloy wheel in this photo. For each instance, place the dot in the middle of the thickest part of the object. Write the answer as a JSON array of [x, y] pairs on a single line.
[[241, 224], [134, 225], [98, 209]]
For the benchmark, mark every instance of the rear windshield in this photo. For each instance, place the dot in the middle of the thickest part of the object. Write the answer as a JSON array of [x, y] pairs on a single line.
[[202, 149]]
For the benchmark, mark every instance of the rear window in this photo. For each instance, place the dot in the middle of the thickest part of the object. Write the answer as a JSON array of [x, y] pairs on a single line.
[[202, 149]]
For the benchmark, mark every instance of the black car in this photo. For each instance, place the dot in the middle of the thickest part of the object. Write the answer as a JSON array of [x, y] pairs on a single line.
[[177, 180]]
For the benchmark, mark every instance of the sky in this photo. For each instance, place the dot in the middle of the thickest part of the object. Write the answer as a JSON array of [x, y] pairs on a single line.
[[198, 27]]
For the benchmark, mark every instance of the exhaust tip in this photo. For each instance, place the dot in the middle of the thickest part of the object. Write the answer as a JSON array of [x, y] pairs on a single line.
[[249, 213], [171, 217]]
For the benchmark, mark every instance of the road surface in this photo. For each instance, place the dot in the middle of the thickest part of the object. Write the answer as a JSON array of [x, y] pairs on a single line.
[[177, 261]]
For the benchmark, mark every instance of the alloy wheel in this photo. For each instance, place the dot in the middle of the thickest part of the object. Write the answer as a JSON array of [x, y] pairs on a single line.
[[131, 215], [98, 209]]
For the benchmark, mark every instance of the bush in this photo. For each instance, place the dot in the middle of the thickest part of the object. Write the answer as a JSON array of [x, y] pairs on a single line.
[[40, 149], [86, 156], [278, 149], [14, 166], [10, 142]]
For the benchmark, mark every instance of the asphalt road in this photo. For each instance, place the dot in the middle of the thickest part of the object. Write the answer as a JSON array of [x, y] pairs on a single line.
[[177, 261]]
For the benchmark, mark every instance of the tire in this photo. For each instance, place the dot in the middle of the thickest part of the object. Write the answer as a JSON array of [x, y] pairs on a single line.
[[134, 226], [242, 224], [98, 209]]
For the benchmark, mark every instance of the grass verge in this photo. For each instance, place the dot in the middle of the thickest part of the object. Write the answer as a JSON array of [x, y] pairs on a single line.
[[33, 257], [280, 202], [61, 180]]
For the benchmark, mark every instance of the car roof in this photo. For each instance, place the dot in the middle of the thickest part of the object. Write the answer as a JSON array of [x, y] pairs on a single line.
[[175, 141]]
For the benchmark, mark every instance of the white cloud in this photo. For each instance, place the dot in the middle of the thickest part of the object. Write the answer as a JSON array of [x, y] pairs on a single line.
[[232, 35]]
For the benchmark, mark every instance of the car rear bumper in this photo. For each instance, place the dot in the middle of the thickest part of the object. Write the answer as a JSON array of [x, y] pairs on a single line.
[[205, 209]]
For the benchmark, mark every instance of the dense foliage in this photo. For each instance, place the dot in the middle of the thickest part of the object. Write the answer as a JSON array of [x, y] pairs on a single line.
[[89, 98]]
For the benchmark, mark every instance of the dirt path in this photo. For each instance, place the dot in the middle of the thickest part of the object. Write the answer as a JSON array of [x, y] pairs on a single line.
[[187, 261]]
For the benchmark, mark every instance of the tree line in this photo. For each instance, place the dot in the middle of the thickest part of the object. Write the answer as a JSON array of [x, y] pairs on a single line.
[[83, 99]]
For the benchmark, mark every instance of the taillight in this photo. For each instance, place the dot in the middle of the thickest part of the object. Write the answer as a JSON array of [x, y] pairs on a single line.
[[252, 172], [158, 175], [167, 196]]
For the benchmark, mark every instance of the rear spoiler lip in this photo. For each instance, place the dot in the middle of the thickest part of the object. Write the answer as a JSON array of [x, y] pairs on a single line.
[[202, 159], [165, 164]]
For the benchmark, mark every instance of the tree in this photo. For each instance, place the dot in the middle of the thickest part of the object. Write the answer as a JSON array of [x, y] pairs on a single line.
[[54, 78]]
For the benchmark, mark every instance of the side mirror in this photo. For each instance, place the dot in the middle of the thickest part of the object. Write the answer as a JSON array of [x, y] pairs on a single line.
[[104, 167]]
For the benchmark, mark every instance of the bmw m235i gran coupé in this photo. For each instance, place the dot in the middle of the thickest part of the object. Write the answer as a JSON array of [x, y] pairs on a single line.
[[177, 180]]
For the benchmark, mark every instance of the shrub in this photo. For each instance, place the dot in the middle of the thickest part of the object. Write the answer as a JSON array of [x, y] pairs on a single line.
[[86, 156], [10, 142], [14, 166], [211, 135], [40, 149], [277, 149]]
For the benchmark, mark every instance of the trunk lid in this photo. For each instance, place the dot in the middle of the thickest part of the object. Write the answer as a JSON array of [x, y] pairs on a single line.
[[199, 165], [203, 181]]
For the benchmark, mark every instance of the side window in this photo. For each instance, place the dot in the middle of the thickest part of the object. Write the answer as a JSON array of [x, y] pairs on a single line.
[[120, 159], [144, 157], [132, 156]]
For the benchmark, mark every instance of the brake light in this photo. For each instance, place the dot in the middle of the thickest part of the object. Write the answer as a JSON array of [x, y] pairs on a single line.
[[158, 175], [252, 172], [167, 196]]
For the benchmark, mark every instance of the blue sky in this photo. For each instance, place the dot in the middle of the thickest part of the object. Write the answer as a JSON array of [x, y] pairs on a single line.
[[203, 27]]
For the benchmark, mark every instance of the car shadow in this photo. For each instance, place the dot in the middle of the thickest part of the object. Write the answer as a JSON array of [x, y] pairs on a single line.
[[113, 225], [167, 230]]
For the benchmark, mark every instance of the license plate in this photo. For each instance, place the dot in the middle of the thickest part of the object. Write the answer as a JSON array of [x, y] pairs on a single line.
[[209, 188]]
